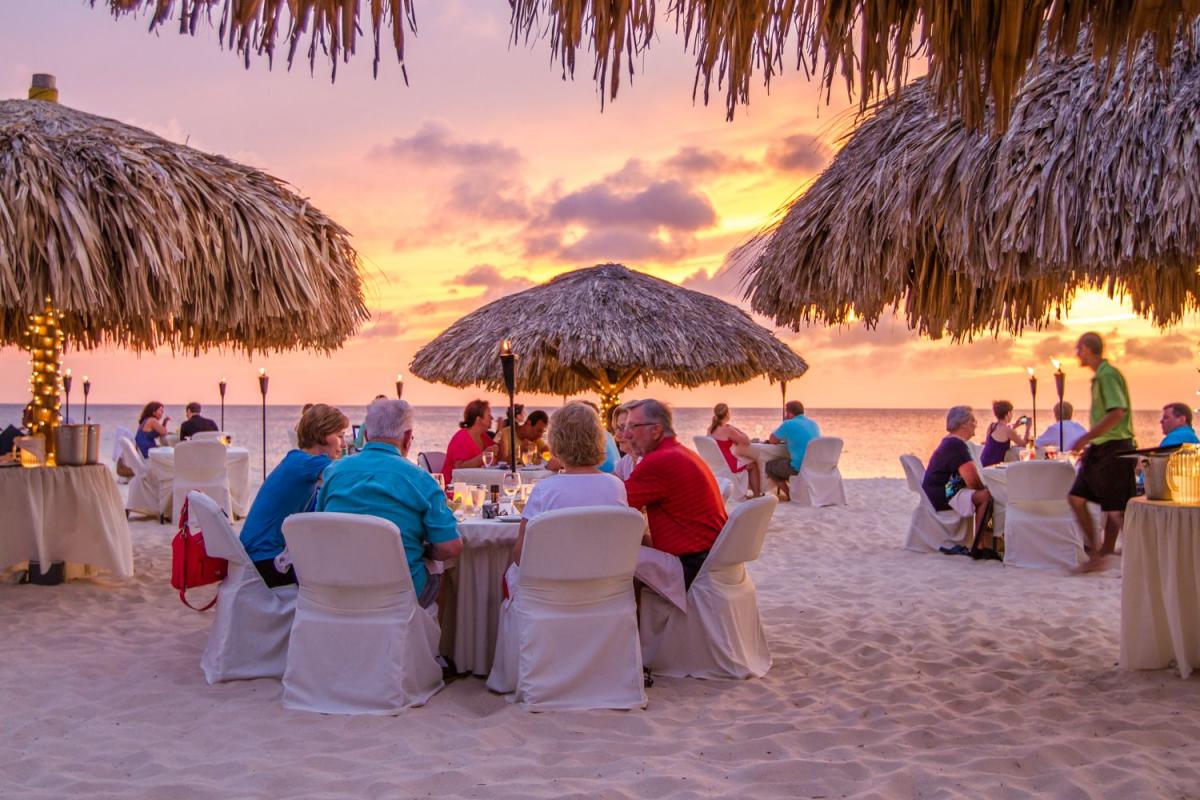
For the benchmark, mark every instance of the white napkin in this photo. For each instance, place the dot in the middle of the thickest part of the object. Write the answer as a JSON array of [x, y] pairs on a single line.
[[663, 573]]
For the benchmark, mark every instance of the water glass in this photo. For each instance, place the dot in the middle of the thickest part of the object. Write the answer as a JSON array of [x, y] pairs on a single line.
[[511, 484], [478, 495], [489, 457]]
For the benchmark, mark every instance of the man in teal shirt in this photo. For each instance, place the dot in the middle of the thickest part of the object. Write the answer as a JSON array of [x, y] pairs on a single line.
[[1105, 477], [381, 482], [1176, 423], [796, 432]]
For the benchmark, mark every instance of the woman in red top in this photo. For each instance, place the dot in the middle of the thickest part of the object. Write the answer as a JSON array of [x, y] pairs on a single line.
[[728, 438], [467, 447]]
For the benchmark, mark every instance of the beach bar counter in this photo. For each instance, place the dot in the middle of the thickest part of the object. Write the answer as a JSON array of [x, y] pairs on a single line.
[[69, 514]]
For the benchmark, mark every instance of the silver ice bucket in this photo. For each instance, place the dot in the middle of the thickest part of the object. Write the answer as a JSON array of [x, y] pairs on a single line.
[[71, 445], [1154, 472], [93, 443]]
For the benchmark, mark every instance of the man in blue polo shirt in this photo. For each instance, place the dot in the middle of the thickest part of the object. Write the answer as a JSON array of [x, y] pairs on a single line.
[[381, 482], [1176, 423], [796, 432]]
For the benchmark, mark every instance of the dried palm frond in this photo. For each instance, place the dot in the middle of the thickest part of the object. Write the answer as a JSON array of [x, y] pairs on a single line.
[[977, 51], [604, 328], [1093, 185], [145, 243]]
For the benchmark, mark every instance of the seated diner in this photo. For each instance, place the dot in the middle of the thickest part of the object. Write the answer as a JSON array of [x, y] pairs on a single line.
[[152, 428], [467, 446], [729, 438], [1002, 434], [952, 483]]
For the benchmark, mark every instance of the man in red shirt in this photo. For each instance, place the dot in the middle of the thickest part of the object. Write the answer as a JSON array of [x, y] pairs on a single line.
[[674, 486]]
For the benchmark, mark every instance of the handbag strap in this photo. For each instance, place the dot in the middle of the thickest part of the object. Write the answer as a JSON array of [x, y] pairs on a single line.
[[187, 539]]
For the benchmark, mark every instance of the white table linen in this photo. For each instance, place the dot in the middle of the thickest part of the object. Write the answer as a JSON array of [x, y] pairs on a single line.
[[70, 514], [485, 476], [1160, 588], [162, 464], [469, 627], [765, 451], [995, 478]]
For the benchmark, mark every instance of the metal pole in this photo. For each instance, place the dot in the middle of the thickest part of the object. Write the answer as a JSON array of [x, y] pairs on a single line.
[[262, 388], [221, 386]]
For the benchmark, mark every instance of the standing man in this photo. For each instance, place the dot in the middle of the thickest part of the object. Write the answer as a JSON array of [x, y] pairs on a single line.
[[796, 432], [674, 486], [1104, 477], [195, 423], [1176, 425]]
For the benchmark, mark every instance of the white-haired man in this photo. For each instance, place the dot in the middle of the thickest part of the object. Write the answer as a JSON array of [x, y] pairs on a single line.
[[952, 482], [381, 482]]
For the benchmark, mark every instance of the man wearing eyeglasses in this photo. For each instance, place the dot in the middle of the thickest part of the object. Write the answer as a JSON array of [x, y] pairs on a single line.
[[674, 486]]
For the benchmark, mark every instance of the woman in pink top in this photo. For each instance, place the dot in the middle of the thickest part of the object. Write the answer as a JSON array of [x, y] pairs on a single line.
[[467, 447], [729, 437]]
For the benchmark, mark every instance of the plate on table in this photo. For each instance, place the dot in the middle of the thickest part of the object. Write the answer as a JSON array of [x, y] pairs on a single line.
[[509, 518], [531, 468]]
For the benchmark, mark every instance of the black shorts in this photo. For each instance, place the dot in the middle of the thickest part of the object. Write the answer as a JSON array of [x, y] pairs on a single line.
[[1104, 477], [272, 576]]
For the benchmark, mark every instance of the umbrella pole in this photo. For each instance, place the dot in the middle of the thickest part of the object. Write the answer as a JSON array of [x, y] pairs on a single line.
[[508, 365], [44, 340], [783, 394]]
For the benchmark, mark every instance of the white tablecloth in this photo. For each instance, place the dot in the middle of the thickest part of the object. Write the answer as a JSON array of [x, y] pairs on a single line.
[[764, 452], [1160, 586], [472, 616], [237, 459], [492, 477], [995, 478], [71, 514]]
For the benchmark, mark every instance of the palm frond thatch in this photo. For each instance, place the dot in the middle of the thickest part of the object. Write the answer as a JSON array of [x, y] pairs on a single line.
[[977, 51], [1091, 186], [604, 328], [144, 243]]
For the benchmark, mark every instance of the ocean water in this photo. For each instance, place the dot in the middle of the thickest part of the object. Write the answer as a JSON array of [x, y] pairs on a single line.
[[875, 438]]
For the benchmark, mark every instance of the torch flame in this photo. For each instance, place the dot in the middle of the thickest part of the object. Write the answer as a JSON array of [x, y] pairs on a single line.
[[505, 348], [262, 371], [1057, 364], [1030, 371]]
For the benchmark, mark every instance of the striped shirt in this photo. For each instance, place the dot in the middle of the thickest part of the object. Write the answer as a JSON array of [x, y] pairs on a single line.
[[681, 499]]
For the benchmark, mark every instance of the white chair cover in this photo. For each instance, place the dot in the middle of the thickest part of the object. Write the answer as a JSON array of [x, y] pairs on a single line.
[[145, 496], [568, 637], [201, 467], [708, 449], [820, 481], [432, 462], [209, 436], [721, 634], [360, 643], [121, 433], [1040, 530], [726, 487], [931, 529], [250, 629]]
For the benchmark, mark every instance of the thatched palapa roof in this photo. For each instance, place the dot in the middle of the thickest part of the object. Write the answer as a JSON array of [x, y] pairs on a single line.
[[144, 243], [604, 328], [1091, 186], [976, 50]]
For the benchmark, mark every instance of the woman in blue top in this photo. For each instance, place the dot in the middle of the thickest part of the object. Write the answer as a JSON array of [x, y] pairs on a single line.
[[290, 489], [152, 425]]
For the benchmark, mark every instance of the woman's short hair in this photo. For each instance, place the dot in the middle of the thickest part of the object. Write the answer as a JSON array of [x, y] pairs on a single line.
[[1180, 410], [1001, 408], [957, 417], [1063, 410], [149, 411], [576, 436], [474, 410], [388, 419], [317, 423]]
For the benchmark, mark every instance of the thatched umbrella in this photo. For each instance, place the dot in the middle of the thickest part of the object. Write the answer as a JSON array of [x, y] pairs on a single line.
[[976, 50], [602, 329], [110, 234], [1091, 186]]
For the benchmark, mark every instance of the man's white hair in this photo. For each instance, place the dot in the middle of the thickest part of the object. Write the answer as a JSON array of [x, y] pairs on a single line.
[[956, 417], [389, 419], [655, 411]]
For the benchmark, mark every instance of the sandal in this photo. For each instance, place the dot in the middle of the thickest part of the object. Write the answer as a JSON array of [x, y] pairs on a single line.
[[955, 550]]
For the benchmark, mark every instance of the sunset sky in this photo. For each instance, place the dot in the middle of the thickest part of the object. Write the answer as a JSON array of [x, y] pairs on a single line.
[[489, 173]]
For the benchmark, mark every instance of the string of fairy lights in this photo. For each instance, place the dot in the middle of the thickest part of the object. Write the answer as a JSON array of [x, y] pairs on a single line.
[[44, 340]]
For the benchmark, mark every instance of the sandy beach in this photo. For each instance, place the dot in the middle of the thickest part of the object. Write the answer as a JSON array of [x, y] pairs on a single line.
[[895, 675]]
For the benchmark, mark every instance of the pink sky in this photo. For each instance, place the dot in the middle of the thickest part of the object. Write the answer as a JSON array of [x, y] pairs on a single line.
[[489, 173]]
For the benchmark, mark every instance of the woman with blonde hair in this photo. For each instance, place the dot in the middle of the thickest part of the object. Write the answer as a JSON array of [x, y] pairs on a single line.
[[577, 441], [731, 441], [291, 488]]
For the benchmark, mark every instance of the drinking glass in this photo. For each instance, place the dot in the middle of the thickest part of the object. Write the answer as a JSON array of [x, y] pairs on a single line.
[[478, 494], [489, 457], [511, 484], [1052, 452], [526, 458], [545, 456]]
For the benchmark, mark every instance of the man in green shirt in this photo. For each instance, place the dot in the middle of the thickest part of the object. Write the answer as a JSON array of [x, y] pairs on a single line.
[[1104, 477]]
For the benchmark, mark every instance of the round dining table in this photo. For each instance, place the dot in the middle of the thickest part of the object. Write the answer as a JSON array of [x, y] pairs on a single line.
[[491, 476], [69, 514], [237, 460], [470, 613]]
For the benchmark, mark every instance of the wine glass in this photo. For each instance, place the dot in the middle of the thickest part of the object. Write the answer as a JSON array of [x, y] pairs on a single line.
[[526, 458], [489, 457], [478, 493], [511, 484], [545, 456]]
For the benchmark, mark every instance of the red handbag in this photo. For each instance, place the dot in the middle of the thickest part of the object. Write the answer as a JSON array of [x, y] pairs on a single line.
[[191, 565]]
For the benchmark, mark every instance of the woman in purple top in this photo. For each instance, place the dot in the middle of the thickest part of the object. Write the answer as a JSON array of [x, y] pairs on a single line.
[[1001, 434]]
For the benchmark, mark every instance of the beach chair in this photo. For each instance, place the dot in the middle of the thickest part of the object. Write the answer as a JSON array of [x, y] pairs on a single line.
[[146, 496], [820, 481], [931, 529], [720, 636], [726, 487], [708, 449], [568, 636], [432, 462], [201, 467], [1040, 530], [251, 622], [360, 643], [124, 471]]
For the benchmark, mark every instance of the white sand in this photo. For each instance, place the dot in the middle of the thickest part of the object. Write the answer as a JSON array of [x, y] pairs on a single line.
[[896, 675]]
